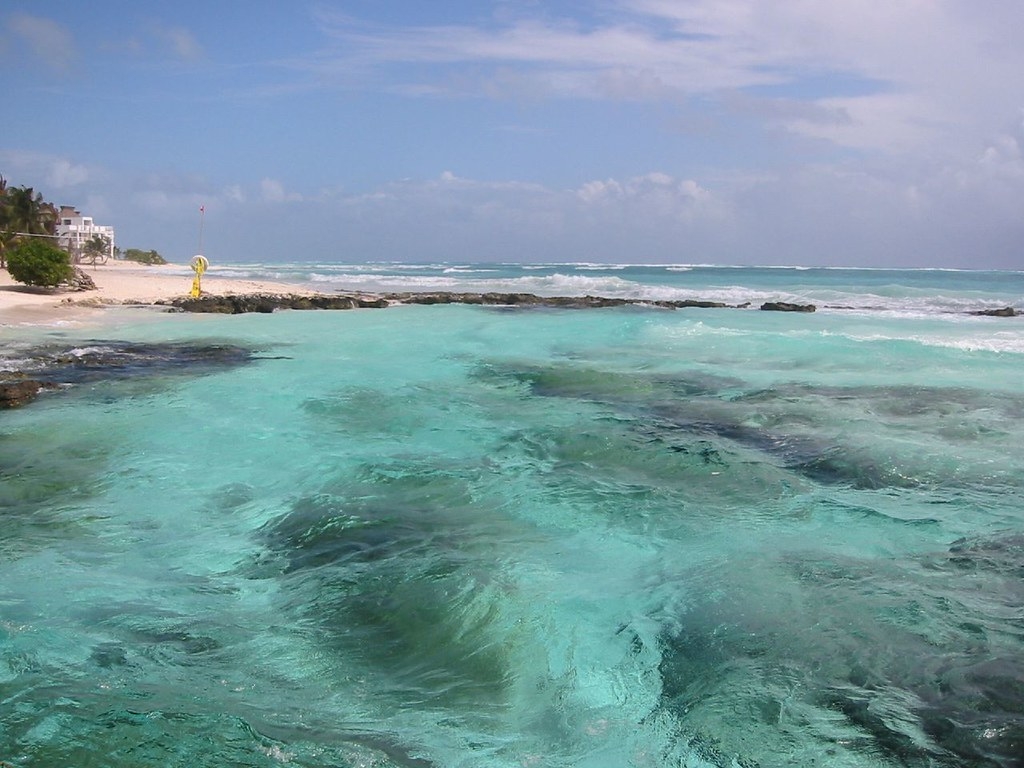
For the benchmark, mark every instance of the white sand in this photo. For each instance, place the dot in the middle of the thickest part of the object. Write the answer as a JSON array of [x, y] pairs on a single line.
[[117, 283]]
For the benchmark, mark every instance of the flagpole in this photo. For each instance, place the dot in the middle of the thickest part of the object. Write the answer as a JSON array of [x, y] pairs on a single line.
[[202, 216]]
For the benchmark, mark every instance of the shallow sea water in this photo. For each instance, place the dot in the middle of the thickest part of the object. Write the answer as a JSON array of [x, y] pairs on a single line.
[[461, 536]]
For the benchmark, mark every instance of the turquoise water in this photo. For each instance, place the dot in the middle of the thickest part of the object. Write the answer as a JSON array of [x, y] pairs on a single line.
[[461, 536]]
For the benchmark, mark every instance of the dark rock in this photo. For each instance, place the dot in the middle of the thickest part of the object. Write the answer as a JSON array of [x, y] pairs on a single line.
[[1000, 554], [53, 367], [861, 710], [533, 300], [270, 302], [785, 306], [108, 655], [953, 697], [694, 303], [105, 360], [1004, 312], [497, 299], [266, 302], [20, 392], [80, 281], [384, 557]]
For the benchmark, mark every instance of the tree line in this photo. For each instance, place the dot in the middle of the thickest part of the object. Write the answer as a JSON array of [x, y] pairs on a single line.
[[23, 213], [28, 240]]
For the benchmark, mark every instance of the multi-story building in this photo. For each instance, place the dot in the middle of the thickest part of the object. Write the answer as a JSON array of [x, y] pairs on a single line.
[[74, 230]]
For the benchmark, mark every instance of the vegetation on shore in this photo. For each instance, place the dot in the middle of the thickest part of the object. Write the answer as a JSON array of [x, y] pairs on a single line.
[[36, 262], [28, 244], [142, 257], [23, 214]]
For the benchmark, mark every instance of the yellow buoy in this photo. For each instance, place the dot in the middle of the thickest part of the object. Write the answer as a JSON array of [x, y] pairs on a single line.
[[199, 265]]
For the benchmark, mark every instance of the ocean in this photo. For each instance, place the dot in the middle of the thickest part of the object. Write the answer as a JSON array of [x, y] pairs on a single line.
[[478, 536]]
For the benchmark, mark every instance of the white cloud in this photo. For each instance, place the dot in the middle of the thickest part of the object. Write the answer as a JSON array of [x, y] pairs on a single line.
[[889, 75], [182, 42], [596, 191], [49, 173], [273, 191], [890, 122], [234, 193], [626, 61], [954, 216], [454, 217], [1003, 156], [874, 132], [48, 40], [651, 196], [63, 173]]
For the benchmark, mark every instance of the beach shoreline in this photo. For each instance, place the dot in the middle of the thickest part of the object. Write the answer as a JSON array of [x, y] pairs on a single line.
[[119, 283], [128, 284]]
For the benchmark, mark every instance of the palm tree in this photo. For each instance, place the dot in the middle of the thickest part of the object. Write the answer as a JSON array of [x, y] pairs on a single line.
[[27, 213], [96, 249], [23, 211], [4, 238]]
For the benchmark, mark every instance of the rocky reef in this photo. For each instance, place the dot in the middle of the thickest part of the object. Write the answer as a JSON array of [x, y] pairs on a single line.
[[55, 367], [270, 302], [785, 306], [1002, 312], [235, 304]]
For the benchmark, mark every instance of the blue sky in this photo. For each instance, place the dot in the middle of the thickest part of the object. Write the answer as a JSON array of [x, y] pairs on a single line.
[[864, 133]]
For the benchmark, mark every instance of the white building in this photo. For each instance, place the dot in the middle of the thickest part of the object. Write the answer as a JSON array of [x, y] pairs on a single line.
[[74, 230]]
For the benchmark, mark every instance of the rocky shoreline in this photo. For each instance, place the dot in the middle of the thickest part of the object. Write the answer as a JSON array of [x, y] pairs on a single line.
[[234, 304]]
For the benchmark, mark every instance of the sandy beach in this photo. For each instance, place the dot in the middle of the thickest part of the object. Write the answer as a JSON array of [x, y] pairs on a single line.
[[117, 283]]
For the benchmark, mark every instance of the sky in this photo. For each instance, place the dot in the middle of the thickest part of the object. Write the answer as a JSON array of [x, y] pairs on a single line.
[[868, 133]]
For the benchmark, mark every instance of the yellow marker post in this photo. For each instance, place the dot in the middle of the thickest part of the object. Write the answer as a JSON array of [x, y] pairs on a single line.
[[199, 265]]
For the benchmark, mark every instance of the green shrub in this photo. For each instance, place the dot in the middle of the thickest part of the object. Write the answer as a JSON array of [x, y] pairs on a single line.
[[144, 257], [34, 261]]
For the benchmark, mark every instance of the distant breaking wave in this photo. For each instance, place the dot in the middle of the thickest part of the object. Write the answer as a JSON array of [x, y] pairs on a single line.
[[911, 293]]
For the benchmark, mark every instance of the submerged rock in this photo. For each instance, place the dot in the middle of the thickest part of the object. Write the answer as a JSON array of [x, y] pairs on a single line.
[[52, 367], [1002, 555], [1004, 312], [395, 574], [20, 392], [929, 675], [785, 306]]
